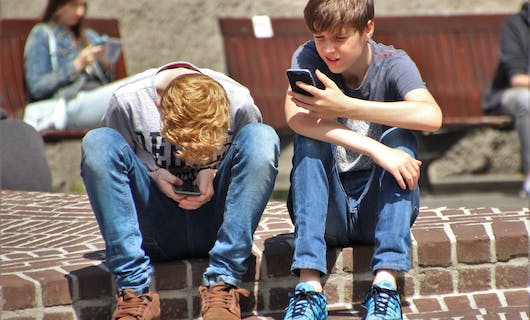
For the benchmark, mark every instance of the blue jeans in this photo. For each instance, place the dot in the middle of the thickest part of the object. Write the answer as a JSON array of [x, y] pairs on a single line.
[[138, 222], [339, 210], [85, 110]]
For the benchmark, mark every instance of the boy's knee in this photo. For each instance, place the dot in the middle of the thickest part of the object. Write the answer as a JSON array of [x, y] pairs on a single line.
[[402, 139], [260, 138], [97, 145]]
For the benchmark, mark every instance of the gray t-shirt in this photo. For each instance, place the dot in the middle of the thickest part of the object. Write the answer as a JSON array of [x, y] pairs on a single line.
[[133, 112], [390, 76]]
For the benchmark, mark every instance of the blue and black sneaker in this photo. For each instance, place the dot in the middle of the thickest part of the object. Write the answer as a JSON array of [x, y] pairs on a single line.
[[382, 302], [306, 304]]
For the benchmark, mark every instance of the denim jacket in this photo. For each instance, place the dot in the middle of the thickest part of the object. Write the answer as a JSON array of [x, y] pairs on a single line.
[[42, 82]]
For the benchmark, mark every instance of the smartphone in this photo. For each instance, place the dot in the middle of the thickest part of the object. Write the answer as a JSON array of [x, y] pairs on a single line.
[[100, 40], [112, 50], [303, 75], [187, 189]]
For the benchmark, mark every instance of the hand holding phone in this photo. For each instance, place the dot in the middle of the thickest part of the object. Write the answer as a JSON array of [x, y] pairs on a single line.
[[303, 75]]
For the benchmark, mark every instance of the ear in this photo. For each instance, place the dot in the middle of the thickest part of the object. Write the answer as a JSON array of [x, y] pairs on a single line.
[[369, 30]]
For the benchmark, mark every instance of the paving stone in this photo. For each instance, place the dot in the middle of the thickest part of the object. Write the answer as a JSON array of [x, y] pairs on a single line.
[[467, 263]]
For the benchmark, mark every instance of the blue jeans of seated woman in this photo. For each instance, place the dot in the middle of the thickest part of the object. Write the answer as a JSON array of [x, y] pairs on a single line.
[[138, 222], [339, 210], [84, 111]]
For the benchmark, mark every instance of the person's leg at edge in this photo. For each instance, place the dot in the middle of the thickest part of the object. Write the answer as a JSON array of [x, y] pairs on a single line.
[[516, 102], [389, 227], [243, 185]]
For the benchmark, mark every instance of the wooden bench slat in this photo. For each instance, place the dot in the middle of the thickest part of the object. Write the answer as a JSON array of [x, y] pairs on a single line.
[[456, 56]]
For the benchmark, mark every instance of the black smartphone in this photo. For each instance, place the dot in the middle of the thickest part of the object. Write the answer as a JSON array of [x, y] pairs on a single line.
[[303, 75], [187, 189]]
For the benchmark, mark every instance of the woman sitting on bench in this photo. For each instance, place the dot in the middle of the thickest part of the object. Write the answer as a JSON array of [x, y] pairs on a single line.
[[67, 69]]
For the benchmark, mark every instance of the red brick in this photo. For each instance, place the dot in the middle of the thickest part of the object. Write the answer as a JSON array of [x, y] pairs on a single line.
[[434, 247], [196, 307], [362, 258], [472, 244], [407, 285], [436, 282], [278, 255], [487, 300], [460, 303], [476, 279], [54, 286], [511, 276], [427, 305], [59, 316], [277, 298], [93, 312], [247, 304], [17, 293], [332, 292], [251, 275], [93, 282], [347, 259], [511, 239], [170, 275], [517, 298], [360, 287], [173, 309], [197, 269]]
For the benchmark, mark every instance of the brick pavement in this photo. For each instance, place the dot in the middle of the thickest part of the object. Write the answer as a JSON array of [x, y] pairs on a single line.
[[467, 263]]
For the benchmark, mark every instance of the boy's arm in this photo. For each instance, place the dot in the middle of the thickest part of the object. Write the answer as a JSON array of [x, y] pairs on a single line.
[[418, 111], [401, 165]]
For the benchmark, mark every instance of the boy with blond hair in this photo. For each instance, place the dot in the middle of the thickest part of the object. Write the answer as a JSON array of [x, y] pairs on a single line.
[[165, 127], [355, 174]]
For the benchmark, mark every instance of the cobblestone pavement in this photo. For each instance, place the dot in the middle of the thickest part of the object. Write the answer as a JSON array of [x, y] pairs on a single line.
[[47, 236]]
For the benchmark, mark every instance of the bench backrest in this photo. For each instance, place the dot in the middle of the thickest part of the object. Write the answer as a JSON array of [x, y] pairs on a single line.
[[13, 34], [456, 55]]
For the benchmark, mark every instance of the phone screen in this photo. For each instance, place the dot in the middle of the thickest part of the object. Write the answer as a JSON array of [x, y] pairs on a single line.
[[303, 75]]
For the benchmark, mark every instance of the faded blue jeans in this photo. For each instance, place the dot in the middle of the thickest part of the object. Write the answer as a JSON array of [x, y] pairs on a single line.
[[339, 210], [139, 223]]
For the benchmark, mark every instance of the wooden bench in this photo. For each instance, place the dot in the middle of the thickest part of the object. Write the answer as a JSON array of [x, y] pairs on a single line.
[[13, 34], [456, 55]]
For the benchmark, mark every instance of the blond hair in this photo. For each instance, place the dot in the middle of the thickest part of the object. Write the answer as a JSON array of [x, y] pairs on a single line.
[[195, 116], [334, 15]]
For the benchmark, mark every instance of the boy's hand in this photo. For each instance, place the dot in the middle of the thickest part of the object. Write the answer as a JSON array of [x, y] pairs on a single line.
[[327, 103], [165, 181], [205, 182], [404, 168]]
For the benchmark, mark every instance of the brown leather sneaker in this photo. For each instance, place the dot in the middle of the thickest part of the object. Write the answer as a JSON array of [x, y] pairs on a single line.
[[137, 307], [220, 301]]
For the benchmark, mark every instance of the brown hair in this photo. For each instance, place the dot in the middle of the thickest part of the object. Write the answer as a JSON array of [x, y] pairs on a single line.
[[51, 9], [195, 116], [333, 15]]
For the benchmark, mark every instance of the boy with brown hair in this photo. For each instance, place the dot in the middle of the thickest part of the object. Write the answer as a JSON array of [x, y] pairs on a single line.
[[166, 127], [355, 174]]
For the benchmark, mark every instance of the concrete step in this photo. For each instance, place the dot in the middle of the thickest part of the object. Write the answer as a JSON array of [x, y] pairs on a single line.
[[467, 262]]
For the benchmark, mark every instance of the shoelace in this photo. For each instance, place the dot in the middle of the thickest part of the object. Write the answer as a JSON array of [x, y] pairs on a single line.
[[132, 306], [302, 300], [222, 296], [382, 298]]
